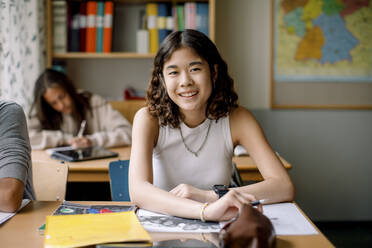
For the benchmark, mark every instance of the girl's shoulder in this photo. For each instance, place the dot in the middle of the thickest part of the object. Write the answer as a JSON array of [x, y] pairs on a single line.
[[146, 124], [240, 112], [241, 116], [143, 116]]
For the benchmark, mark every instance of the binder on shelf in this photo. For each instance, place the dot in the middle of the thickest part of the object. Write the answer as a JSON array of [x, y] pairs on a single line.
[[99, 23], [152, 12], [175, 18], [190, 15], [180, 17], [83, 26], [59, 9], [142, 36], [74, 27], [107, 26], [91, 31], [202, 16], [164, 11]]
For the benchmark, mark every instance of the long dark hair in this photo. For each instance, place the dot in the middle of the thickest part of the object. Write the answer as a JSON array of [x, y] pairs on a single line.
[[223, 97], [49, 118]]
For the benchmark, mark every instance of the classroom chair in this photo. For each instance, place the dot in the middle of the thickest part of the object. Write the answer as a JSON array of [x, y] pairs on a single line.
[[236, 180], [118, 171], [128, 108], [50, 180]]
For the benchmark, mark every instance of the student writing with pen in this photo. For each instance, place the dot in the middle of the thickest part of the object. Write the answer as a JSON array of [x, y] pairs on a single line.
[[59, 111]]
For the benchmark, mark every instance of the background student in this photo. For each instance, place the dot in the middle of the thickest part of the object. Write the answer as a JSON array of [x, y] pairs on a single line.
[[15, 158], [59, 109], [183, 140]]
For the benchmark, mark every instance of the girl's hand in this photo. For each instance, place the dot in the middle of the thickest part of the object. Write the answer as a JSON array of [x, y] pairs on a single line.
[[190, 192], [80, 142], [228, 206]]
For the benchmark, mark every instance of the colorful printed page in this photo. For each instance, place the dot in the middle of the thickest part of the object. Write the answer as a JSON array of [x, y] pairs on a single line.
[[89, 229]]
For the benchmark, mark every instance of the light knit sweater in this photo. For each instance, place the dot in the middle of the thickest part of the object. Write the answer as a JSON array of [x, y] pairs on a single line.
[[105, 127], [173, 164]]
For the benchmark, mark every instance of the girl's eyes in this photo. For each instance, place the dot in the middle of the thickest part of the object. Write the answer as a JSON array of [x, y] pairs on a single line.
[[172, 73]]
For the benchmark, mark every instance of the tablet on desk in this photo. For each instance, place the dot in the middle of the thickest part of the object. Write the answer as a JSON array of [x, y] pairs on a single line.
[[83, 154]]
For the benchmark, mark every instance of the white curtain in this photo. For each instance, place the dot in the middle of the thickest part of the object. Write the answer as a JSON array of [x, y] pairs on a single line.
[[22, 48]]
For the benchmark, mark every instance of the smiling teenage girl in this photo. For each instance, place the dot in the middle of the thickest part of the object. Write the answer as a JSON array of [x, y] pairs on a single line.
[[183, 141]]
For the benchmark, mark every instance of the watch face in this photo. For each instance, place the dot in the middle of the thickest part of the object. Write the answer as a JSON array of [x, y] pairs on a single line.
[[220, 187]]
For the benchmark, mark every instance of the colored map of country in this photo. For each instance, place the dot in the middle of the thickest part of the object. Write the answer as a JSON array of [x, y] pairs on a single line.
[[338, 40], [324, 37]]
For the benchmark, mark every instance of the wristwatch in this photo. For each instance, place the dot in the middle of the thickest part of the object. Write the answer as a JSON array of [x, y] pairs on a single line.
[[220, 189]]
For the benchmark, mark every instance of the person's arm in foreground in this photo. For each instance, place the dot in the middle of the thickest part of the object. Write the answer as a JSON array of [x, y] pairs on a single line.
[[14, 154], [11, 193], [144, 194]]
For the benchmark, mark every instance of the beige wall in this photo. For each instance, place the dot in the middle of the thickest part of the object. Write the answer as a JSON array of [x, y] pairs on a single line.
[[243, 38]]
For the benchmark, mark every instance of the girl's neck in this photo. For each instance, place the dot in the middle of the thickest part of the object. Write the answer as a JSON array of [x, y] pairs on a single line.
[[193, 120]]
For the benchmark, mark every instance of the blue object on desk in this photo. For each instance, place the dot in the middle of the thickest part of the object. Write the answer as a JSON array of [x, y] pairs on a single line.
[[93, 211], [118, 171]]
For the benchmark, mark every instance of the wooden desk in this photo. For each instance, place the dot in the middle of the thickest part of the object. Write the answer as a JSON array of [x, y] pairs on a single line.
[[97, 170], [22, 229]]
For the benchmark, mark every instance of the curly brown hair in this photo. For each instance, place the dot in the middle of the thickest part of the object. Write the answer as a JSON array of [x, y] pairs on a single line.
[[223, 97]]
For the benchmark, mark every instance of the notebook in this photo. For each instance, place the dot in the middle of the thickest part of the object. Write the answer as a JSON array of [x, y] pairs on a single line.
[[83, 154], [89, 229]]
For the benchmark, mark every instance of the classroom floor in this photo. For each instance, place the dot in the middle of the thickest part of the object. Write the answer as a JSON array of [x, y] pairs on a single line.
[[347, 234]]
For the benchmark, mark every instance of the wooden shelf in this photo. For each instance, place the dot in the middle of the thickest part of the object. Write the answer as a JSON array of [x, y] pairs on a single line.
[[112, 55], [50, 55]]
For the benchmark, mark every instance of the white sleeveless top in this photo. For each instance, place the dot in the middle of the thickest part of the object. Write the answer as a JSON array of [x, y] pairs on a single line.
[[173, 164]]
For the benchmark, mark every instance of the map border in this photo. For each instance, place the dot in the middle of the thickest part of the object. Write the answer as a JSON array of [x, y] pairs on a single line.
[[341, 95]]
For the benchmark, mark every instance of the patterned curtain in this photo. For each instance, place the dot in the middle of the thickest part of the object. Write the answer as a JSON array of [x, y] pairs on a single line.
[[22, 48]]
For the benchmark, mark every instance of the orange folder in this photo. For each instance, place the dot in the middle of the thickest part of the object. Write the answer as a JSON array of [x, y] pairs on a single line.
[[91, 31], [107, 26]]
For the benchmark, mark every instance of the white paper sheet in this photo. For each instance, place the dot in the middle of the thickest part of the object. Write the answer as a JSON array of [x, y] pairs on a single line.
[[155, 222], [288, 220], [6, 216]]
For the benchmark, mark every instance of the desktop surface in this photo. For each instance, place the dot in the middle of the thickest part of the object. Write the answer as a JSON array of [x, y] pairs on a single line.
[[31, 217], [97, 170]]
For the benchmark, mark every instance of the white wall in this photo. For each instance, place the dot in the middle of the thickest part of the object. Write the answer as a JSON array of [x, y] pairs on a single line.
[[243, 38]]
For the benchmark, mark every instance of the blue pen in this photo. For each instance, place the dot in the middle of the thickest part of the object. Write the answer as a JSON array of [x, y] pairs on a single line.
[[256, 203]]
